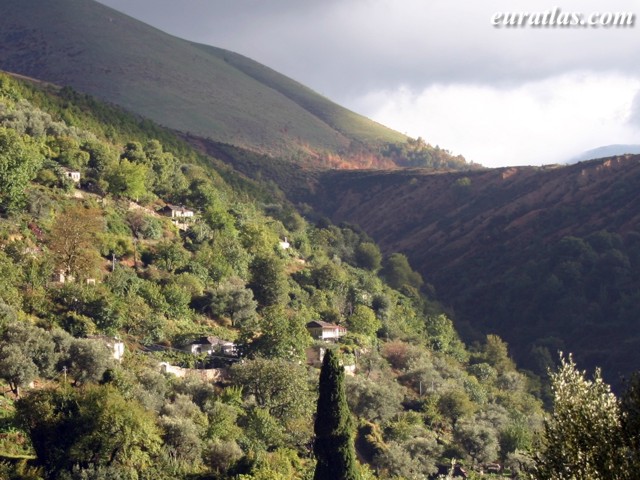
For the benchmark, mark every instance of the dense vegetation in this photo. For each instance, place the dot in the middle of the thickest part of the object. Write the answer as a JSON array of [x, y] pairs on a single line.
[[578, 292], [419, 396], [418, 153]]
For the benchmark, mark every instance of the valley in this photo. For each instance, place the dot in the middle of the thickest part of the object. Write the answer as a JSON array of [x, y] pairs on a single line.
[[226, 226]]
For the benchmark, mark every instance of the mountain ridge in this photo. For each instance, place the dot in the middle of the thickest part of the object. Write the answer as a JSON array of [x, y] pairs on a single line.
[[606, 151]]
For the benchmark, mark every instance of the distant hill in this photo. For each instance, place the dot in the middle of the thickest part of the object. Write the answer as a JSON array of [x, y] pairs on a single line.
[[606, 151], [546, 257], [206, 91]]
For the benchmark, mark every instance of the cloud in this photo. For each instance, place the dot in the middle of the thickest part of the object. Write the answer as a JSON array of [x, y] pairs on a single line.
[[342, 46], [538, 122]]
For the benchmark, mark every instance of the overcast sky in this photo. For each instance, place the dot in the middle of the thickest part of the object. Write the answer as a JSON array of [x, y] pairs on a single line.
[[439, 69]]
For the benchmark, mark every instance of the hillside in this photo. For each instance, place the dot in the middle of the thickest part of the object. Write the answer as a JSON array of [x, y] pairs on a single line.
[[545, 257], [115, 233], [206, 91]]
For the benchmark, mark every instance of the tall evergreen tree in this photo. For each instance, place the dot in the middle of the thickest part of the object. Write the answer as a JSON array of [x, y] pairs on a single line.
[[333, 446]]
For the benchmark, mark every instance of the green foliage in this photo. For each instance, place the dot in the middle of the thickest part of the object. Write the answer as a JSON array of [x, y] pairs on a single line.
[[455, 404], [368, 256], [418, 153], [232, 300], [582, 439], [495, 353], [127, 179], [443, 337], [277, 385], [88, 429], [20, 160], [17, 369], [280, 334], [26, 352], [268, 281], [334, 429], [171, 255], [376, 401], [363, 320], [399, 273], [88, 360]]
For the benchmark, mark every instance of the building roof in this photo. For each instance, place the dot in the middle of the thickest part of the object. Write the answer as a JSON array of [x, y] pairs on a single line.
[[175, 208], [320, 323], [214, 341]]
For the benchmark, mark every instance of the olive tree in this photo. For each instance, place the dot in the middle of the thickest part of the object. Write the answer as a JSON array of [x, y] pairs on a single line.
[[583, 438]]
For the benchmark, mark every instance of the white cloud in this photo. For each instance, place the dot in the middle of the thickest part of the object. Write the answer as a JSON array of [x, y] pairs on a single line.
[[534, 123]]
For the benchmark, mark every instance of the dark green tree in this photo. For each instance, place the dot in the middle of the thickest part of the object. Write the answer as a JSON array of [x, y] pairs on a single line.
[[268, 280], [283, 335], [17, 369], [88, 430], [26, 352], [368, 256], [398, 272], [333, 446], [630, 420]]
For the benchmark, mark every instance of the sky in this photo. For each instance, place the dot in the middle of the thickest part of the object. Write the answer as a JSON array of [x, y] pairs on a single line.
[[441, 69]]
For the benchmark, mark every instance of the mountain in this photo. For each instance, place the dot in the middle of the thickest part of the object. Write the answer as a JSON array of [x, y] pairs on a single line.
[[606, 151], [205, 91], [546, 257]]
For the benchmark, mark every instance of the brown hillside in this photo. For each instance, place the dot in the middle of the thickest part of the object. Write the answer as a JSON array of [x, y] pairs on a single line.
[[469, 233]]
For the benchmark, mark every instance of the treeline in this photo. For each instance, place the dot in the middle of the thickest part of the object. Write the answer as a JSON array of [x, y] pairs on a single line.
[[418, 153], [96, 258]]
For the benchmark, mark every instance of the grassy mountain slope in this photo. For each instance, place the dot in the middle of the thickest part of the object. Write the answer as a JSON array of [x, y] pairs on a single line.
[[545, 257], [206, 91], [345, 121]]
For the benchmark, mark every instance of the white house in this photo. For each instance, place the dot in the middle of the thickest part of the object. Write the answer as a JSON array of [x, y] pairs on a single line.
[[72, 174], [176, 212], [115, 345], [284, 244], [181, 217], [325, 331], [211, 345]]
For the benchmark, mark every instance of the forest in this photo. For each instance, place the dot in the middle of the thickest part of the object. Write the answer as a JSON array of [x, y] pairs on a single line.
[[91, 262]]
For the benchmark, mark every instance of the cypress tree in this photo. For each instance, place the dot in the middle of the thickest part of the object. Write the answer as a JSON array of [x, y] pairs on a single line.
[[333, 445]]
